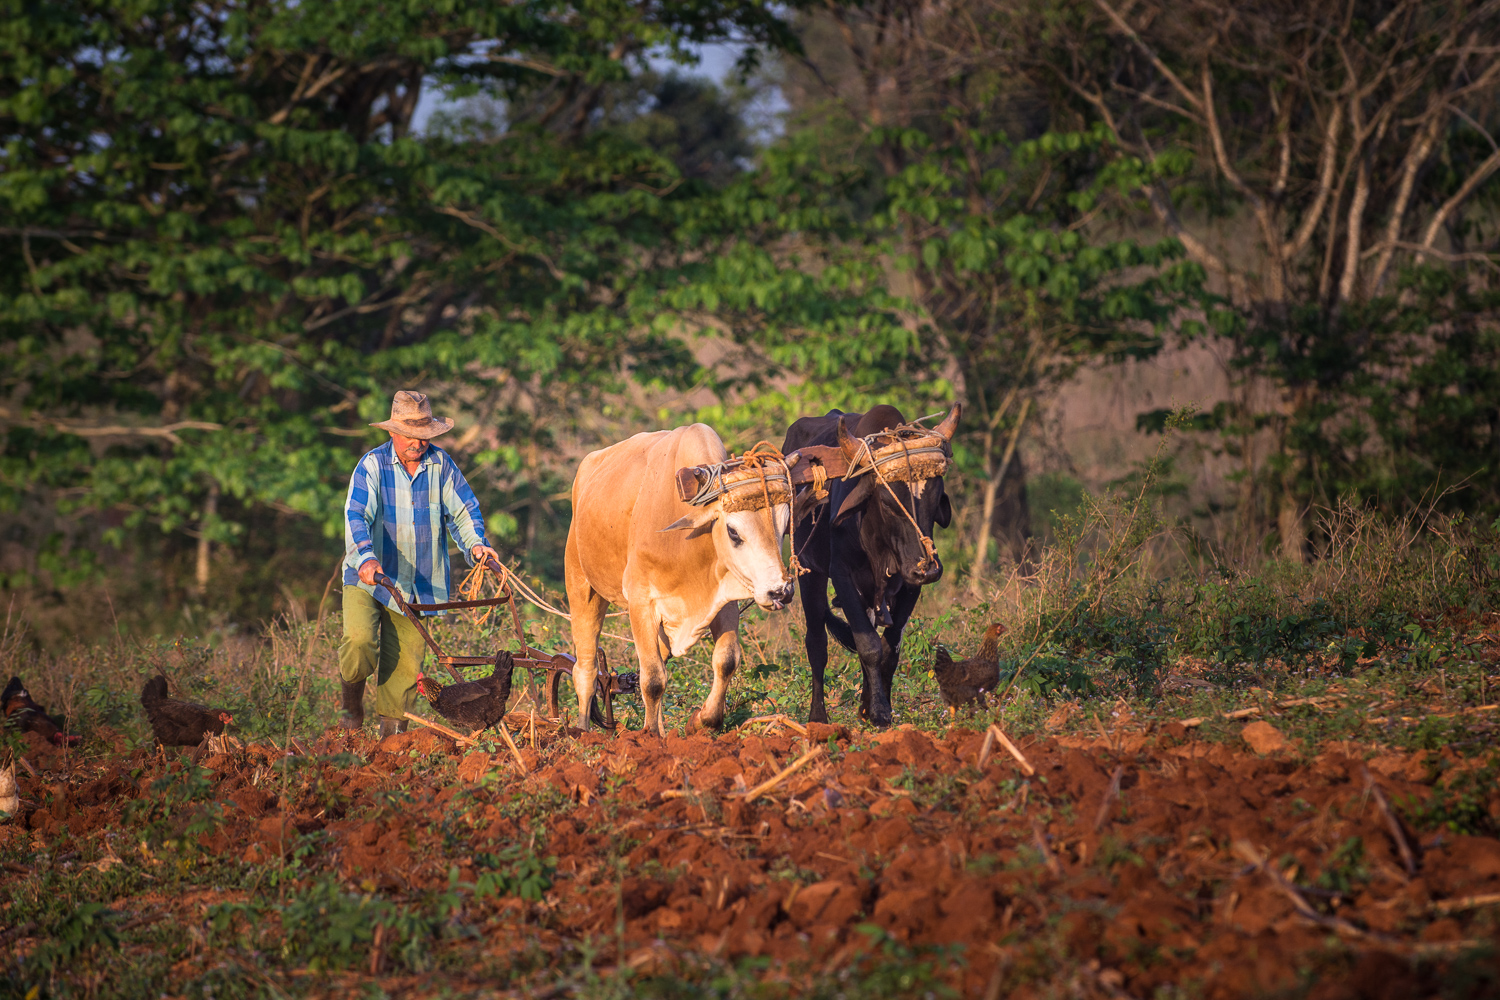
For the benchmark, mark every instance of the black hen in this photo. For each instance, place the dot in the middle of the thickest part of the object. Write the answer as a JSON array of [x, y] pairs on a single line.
[[968, 680], [179, 723], [22, 713], [473, 704]]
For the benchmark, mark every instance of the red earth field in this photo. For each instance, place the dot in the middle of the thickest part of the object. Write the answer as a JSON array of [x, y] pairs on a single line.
[[1211, 871]]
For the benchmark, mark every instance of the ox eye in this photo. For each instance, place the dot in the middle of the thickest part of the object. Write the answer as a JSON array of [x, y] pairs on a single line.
[[734, 536]]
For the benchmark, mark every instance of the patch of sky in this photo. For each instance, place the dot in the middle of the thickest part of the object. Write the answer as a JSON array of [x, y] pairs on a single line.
[[722, 62]]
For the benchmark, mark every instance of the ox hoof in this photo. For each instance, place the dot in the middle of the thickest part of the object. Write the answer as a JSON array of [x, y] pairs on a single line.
[[695, 723]]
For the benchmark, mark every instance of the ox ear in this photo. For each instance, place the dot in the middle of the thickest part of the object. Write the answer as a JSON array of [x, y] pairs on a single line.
[[855, 500], [944, 512], [694, 523], [950, 423]]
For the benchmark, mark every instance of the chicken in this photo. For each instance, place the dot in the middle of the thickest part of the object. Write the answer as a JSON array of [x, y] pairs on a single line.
[[180, 723], [472, 704], [968, 680], [22, 713]]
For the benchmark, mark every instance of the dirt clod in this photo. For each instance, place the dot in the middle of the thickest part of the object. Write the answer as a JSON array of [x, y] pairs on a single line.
[[1264, 738]]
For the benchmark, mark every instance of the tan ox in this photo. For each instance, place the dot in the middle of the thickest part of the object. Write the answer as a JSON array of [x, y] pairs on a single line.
[[679, 569]]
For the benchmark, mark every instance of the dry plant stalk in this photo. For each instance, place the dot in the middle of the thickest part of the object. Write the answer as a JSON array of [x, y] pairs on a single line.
[[995, 734], [1464, 903], [1320, 702], [1392, 823], [1110, 794], [514, 750], [784, 773], [442, 729], [784, 720]]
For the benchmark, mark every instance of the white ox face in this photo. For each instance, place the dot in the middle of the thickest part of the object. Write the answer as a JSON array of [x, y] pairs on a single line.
[[748, 544]]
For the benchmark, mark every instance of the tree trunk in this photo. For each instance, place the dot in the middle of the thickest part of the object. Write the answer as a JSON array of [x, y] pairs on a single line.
[[205, 547], [1010, 524], [992, 497]]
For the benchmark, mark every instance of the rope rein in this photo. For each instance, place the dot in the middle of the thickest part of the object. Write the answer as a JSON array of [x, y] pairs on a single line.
[[472, 589]]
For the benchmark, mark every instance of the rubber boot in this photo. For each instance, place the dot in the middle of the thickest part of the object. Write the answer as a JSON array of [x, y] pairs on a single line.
[[390, 727], [353, 715]]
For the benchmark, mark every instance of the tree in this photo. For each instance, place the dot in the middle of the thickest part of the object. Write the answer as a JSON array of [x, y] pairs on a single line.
[[987, 223], [1304, 154], [223, 246]]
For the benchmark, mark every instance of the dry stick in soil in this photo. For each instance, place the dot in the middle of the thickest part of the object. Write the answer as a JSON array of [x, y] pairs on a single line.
[[795, 726], [1110, 794], [1393, 824], [1245, 713], [442, 729], [784, 773], [1435, 715], [994, 734], [1338, 925], [514, 750], [1466, 903]]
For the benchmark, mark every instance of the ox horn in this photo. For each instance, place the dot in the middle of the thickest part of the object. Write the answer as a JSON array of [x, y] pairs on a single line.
[[950, 422], [694, 523], [848, 444]]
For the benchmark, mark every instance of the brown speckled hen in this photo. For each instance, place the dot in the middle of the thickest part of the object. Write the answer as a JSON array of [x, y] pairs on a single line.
[[180, 723], [969, 680], [22, 713], [474, 704]]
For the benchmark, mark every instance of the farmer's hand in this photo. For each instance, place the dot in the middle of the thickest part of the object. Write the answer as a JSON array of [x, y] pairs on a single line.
[[368, 571], [480, 552]]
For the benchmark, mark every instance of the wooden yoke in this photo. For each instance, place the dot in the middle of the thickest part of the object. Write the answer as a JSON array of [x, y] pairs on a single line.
[[800, 463]]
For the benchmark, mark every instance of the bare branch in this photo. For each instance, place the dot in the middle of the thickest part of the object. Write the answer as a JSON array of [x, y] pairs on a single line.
[[167, 432], [531, 64], [1216, 136], [1416, 156], [485, 227], [1161, 67], [1355, 229], [1469, 186], [1490, 260]]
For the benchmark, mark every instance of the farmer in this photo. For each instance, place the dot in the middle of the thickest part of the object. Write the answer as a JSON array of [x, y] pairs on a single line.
[[405, 498]]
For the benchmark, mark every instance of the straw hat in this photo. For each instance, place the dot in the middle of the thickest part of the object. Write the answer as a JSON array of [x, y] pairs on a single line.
[[411, 416]]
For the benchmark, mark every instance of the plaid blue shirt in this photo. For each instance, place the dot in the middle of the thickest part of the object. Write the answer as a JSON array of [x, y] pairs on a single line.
[[404, 521]]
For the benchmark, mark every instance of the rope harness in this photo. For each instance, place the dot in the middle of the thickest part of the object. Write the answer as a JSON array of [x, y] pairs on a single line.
[[735, 480], [922, 455], [507, 582]]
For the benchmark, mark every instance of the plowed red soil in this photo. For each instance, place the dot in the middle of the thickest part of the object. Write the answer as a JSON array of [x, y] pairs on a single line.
[[1156, 885]]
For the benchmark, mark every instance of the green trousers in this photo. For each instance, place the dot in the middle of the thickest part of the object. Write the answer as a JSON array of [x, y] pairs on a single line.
[[383, 642]]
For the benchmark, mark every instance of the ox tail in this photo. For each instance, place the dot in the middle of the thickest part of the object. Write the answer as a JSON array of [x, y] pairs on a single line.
[[840, 630]]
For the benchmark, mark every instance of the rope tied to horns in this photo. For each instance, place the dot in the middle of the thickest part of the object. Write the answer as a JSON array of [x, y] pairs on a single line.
[[898, 446], [735, 479]]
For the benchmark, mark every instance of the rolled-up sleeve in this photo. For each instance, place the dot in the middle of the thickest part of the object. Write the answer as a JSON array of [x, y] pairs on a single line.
[[461, 509]]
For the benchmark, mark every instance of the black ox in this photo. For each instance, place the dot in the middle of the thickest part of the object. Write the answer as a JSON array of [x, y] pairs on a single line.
[[865, 544]]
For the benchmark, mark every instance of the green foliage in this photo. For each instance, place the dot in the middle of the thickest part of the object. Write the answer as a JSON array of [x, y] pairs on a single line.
[[1345, 870], [86, 928], [1460, 803], [225, 241], [325, 927], [514, 871]]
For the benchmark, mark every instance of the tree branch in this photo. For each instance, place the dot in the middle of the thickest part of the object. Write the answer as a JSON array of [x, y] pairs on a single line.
[[166, 432], [1478, 177], [1161, 67], [1328, 165]]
